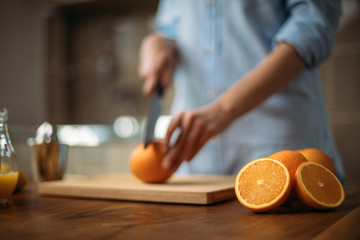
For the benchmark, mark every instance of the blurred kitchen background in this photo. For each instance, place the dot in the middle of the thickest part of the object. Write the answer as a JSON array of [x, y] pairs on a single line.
[[73, 63]]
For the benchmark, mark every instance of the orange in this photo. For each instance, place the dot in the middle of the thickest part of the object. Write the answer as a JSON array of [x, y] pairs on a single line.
[[318, 187], [292, 160], [262, 184], [145, 163], [318, 156]]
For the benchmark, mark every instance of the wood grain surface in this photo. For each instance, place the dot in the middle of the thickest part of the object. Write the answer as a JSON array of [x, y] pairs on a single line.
[[345, 228], [119, 186], [32, 216]]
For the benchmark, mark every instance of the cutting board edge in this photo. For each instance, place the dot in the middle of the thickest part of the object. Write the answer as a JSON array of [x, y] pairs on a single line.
[[220, 196]]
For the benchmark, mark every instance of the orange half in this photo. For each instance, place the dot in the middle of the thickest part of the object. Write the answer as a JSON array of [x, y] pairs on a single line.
[[262, 184], [318, 187]]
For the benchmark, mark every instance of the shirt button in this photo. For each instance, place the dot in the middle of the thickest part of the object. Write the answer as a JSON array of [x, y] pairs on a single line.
[[209, 48], [210, 94]]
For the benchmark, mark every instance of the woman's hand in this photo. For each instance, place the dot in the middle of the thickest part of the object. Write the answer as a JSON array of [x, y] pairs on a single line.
[[158, 58], [197, 127]]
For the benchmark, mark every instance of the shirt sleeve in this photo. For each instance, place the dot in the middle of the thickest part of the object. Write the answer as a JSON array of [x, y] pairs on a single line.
[[167, 18], [310, 28]]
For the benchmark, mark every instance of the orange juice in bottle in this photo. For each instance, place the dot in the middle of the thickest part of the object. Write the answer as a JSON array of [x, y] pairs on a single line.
[[8, 163], [8, 182]]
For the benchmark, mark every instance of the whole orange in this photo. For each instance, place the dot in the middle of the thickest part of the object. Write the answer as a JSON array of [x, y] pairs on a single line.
[[146, 163], [292, 160], [318, 156]]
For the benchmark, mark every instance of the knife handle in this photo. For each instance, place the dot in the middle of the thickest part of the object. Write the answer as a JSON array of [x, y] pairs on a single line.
[[159, 90]]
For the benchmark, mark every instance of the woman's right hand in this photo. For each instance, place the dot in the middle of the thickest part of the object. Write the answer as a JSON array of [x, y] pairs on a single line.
[[158, 58]]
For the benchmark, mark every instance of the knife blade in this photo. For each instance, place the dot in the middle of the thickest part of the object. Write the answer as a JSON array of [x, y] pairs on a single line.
[[154, 113]]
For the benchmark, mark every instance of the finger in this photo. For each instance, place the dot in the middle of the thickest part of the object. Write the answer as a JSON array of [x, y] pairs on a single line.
[[193, 138], [174, 157], [145, 62], [206, 136], [176, 153], [173, 125], [149, 86], [171, 161], [167, 74], [183, 121]]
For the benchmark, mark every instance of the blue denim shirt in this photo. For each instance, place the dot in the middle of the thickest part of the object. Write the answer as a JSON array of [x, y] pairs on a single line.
[[222, 40]]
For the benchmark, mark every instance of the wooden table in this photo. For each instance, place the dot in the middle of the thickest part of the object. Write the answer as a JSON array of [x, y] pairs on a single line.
[[30, 216]]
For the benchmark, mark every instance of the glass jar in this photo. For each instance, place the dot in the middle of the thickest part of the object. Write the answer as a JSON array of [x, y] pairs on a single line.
[[8, 163]]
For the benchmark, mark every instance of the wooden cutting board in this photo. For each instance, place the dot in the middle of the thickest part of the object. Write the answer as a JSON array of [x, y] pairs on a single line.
[[194, 189]]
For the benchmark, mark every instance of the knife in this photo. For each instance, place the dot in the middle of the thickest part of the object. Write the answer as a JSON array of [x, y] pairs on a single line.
[[155, 111]]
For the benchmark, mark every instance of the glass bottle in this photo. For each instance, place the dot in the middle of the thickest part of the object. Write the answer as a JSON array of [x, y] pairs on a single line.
[[8, 163]]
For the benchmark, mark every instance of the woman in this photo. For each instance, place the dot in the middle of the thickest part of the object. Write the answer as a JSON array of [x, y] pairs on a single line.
[[247, 82]]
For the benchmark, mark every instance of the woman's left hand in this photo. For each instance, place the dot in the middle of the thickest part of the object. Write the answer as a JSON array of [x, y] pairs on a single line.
[[197, 127]]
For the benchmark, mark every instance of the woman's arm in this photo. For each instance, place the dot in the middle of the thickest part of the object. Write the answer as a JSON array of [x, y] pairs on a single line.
[[198, 126], [270, 76]]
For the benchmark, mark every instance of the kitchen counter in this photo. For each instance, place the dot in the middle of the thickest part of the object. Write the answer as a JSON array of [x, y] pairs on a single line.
[[32, 216]]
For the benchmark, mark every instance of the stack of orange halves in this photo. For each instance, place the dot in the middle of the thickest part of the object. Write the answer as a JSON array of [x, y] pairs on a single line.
[[286, 176]]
